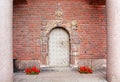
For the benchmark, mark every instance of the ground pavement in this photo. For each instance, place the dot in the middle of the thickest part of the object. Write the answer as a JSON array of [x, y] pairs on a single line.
[[55, 75]]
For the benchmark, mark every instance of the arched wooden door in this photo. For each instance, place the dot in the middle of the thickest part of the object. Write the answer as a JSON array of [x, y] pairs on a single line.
[[59, 48]]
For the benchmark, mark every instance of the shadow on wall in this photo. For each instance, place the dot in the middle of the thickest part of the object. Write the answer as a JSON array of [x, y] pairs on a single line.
[[14, 66], [97, 2], [16, 2]]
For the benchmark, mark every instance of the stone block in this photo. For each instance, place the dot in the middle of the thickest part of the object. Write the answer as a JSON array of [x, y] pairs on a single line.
[[85, 62], [98, 64], [22, 64], [95, 64]]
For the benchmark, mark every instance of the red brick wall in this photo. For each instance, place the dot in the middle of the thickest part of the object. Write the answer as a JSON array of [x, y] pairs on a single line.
[[27, 24]]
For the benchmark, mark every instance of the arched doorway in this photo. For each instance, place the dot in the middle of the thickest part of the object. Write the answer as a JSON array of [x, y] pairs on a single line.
[[59, 48]]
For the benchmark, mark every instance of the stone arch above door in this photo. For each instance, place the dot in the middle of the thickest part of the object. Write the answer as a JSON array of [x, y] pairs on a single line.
[[71, 27]]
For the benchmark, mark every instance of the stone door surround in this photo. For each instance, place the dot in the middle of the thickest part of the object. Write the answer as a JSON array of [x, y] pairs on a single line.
[[70, 27]]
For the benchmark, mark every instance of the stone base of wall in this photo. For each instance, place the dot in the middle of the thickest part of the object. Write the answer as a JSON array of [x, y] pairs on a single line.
[[95, 64], [22, 64]]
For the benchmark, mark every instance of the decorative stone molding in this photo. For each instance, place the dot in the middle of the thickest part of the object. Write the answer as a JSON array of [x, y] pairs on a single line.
[[51, 24], [59, 12], [69, 25], [44, 23], [74, 24]]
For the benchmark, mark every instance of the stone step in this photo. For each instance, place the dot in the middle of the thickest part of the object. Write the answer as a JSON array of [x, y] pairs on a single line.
[[58, 69]]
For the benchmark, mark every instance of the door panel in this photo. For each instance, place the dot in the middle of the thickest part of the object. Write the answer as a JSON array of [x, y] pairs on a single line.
[[58, 48]]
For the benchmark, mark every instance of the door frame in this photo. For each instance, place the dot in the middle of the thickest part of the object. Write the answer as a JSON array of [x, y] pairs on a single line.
[[71, 27]]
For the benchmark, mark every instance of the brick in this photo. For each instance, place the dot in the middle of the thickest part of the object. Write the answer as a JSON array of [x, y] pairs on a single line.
[[27, 27]]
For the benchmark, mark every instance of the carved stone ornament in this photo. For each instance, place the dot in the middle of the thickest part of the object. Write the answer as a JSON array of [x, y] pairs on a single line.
[[69, 25], [43, 23], [58, 12], [74, 24], [59, 22]]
